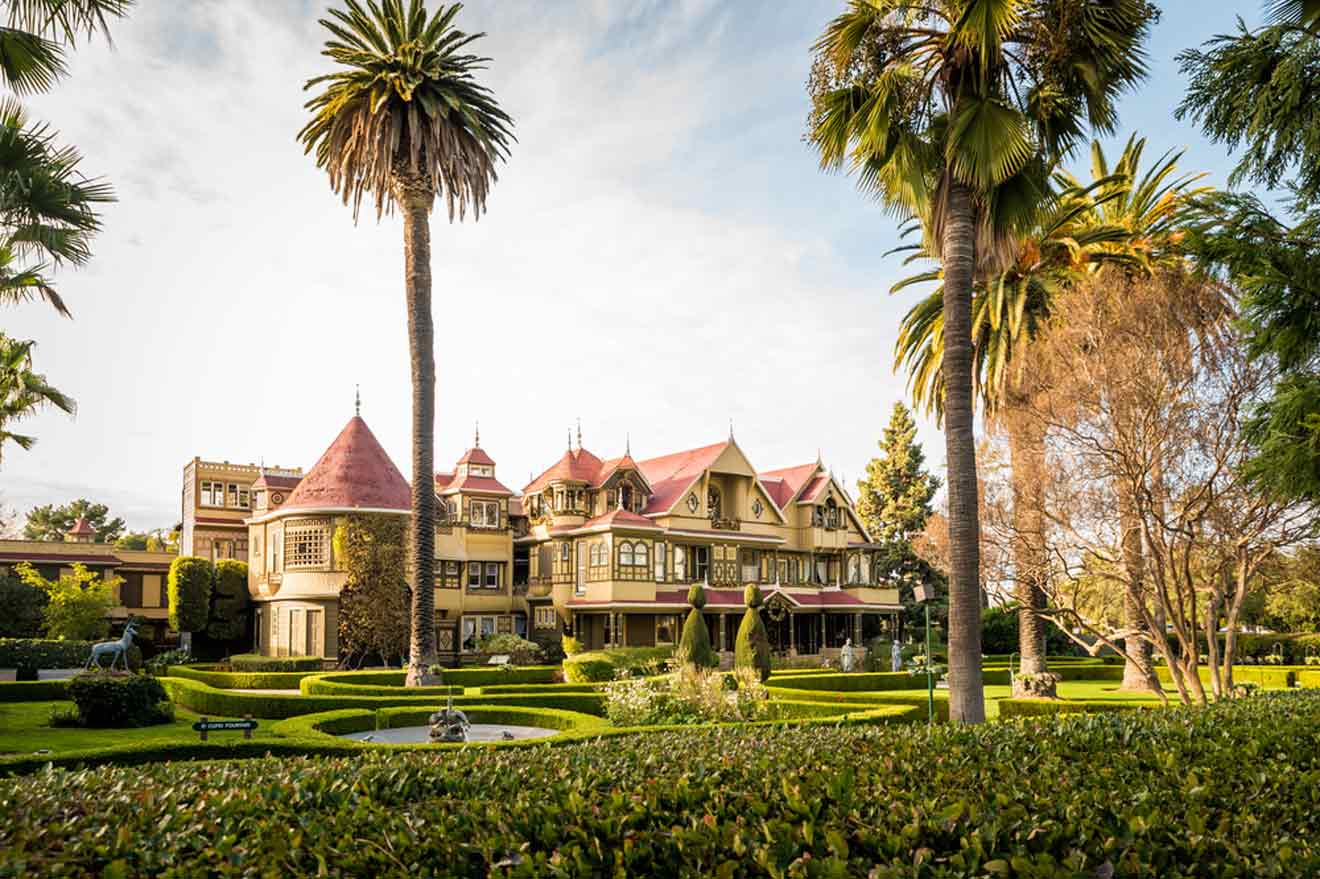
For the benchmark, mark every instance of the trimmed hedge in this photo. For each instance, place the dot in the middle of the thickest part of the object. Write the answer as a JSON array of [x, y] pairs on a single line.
[[1052, 707], [369, 684], [235, 703], [1158, 793], [33, 691], [239, 680], [252, 662], [32, 654], [853, 681]]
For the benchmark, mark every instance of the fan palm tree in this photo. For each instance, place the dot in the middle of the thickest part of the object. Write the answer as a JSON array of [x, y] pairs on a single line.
[[23, 391], [35, 34], [1125, 219], [47, 208], [953, 111], [406, 120]]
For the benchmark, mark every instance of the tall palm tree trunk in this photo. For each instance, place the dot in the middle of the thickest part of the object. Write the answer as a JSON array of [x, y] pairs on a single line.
[[416, 199], [1026, 445], [966, 695], [1138, 667]]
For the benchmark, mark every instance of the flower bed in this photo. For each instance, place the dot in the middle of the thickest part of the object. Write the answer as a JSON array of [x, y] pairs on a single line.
[[1148, 793]]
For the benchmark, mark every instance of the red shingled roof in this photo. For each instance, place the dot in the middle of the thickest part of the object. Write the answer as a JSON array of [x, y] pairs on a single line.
[[483, 484], [670, 475], [354, 472], [576, 465], [784, 483], [476, 455]]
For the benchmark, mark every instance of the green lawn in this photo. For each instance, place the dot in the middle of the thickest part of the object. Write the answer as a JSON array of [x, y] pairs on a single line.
[[24, 729]]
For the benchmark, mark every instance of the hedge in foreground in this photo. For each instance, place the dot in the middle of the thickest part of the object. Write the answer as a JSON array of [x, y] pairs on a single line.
[[1182, 792]]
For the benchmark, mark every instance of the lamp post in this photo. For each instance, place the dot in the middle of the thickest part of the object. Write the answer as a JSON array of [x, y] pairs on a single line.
[[924, 593]]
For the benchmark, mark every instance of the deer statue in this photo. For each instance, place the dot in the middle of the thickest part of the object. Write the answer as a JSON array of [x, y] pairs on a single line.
[[117, 650]]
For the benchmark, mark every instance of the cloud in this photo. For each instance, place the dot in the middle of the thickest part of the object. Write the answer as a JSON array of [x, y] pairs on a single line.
[[660, 254]]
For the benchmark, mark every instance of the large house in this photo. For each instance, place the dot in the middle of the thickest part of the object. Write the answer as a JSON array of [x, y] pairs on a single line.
[[603, 549], [141, 591]]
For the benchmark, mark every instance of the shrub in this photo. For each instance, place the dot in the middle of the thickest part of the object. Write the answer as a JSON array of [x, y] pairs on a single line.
[[586, 671], [695, 641], [519, 650], [108, 700], [22, 607], [229, 601], [189, 587], [28, 655], [572, 646], [251, 662], [752, 649], [1160, 793], [77, 604]]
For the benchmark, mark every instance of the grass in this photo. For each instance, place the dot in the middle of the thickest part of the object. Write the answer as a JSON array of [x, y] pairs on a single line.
[[25, 729]]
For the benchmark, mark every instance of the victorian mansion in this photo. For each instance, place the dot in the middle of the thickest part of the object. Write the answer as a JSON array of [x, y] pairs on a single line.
[[601, 548]]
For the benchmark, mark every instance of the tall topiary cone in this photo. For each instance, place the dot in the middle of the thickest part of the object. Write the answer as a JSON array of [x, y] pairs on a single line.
[[753, 647], [695, 643]]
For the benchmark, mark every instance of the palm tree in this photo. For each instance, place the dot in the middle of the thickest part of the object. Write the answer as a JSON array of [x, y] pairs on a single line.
[[1008, 312], [23, 391], [1123, 219], [954, 111], [36, 32], [406, 120], [47, 208]]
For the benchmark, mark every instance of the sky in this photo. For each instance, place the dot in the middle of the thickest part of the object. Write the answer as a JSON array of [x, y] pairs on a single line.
[[661, 256]]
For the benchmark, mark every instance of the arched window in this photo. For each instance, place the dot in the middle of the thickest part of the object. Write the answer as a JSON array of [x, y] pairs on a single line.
[[639, 554], [713, 502], [625, 553]]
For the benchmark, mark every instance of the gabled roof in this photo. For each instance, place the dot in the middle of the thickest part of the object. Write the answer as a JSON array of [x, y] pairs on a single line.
[[576, 465], [267, 480], [476, 455], [470, 483], [671, 475], [784, 484], [355, 472]]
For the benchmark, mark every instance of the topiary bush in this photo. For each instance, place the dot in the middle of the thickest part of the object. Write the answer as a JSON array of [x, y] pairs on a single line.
[[189, 587], [108, 700], [752, 649], [229, 601], [695, 641]]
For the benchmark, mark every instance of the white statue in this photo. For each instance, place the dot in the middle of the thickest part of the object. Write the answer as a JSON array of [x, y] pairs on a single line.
[[846, 655], [895, 657]]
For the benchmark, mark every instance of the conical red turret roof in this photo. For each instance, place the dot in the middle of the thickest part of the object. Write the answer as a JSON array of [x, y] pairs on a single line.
[[355, 472]]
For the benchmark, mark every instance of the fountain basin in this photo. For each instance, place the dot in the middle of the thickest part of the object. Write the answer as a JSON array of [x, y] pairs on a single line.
[[477, 732]]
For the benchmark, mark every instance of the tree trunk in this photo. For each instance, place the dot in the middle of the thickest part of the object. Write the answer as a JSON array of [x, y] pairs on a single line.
[[416, 199], [966, 694], [1026, 444], [1138, 668]]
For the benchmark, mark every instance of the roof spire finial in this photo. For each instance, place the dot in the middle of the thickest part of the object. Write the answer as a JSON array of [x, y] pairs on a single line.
[[476, 435], [357, 401], [579, 434]]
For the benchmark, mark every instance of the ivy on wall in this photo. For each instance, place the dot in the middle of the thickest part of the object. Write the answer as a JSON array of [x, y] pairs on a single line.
[[374, 603]]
